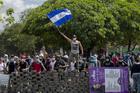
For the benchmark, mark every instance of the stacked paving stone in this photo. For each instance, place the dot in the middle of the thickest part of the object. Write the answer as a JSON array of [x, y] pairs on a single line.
[[49, 82]]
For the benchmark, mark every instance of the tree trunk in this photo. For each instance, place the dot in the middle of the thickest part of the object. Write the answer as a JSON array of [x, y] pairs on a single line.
[[129, 45], [134, 47], [107, 50], [121, 50], [90, 50]]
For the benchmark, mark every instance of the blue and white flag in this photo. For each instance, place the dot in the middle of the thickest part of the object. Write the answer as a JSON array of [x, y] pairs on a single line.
[[60, 16]]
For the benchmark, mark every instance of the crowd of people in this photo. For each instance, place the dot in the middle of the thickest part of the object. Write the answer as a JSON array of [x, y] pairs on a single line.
[[37, 63], [129, 60], [113, 60], [44, 62], [40, 62]]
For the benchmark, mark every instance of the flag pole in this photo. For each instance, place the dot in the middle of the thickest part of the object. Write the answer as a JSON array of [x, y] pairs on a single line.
[[58, 29]]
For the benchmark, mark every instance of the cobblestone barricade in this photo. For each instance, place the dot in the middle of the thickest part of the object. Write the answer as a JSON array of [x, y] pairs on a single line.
[[48, 82]]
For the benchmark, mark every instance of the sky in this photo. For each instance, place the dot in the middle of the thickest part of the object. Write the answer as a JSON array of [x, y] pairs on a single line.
[[19, 6]]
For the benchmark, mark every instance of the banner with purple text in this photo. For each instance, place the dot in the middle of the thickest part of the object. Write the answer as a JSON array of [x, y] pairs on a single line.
[[108, 80]]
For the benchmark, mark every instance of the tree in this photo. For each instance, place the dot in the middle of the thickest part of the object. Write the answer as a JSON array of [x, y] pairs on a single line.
[[10, 19], [14, 42], [127, 14], [96, 23], [1, 3], [92, 22]]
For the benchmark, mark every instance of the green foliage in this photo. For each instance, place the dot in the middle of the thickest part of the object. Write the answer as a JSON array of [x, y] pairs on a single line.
[[1, 3], [13, 41], [127, 14], [92, 22], [10, 11], [0, 18], [10, 18], [95, 22]]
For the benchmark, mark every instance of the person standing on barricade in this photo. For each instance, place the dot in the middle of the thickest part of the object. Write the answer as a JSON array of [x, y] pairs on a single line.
[[75, 47]]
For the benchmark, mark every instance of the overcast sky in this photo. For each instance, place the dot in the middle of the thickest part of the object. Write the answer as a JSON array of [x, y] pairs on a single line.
[[18, 6]]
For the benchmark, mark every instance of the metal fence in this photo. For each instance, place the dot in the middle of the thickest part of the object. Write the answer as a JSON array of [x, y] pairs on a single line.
[[47, 82]]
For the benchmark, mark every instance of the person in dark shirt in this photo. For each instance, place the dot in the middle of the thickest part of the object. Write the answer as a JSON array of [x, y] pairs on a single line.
[[135, 68], [47, 64], [11, 65], [135, 73], [107, 62], [60, 63], [29, 60], [23, 65]]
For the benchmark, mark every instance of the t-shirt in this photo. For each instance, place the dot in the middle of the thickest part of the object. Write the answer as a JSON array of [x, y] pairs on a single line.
[[52, 65], [75, 47], [1, 66], [6, 61], [36, 67], [114, 60], [22, 66], [108, 64], [11, 67], [72, 66], [58, 64], [93, 59], [135, 68], [66, 56], [29, 61]]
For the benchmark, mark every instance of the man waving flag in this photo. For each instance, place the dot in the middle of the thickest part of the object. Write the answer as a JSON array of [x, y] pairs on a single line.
[[60, 16]]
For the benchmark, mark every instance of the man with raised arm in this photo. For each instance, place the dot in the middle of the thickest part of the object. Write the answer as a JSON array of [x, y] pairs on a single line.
[[75, 47]]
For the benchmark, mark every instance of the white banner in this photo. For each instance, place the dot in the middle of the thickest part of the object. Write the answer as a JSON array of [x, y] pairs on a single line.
[[4, 79]]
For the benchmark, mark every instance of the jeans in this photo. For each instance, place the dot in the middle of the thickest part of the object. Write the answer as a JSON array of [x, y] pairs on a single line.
[[73, 58], [136, 85], [92, 65]]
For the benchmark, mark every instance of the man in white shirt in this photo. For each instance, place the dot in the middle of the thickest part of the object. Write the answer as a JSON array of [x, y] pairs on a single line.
[[53, 61], [75, 47]]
